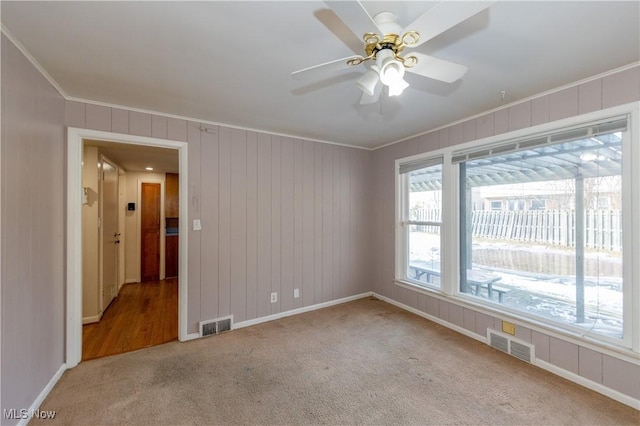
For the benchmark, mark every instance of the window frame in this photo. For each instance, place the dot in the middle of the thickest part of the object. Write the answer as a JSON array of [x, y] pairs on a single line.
[[403, 222], [450, 243]]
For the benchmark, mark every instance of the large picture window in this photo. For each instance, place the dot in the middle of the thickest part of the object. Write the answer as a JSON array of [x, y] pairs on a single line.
[[561, 257], [538, 226]]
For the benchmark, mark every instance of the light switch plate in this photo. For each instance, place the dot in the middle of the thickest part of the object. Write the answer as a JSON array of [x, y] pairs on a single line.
[[197, 226]]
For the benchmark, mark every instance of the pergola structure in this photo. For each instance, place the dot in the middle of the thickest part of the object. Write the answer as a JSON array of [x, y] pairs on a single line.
[[588, 152]]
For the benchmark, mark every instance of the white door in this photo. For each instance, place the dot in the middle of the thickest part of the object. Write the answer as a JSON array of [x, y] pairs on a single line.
[[110, 233]]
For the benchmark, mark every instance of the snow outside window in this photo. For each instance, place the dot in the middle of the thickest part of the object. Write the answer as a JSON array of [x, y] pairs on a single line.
[[560, 260], [422, 221]]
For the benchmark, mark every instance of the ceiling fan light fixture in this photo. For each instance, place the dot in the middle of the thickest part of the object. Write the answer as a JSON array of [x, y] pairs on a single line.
[[398, 87], [391, 70], [367, 83]]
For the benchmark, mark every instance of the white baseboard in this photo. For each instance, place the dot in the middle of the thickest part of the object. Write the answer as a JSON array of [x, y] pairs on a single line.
[[36, 404], [91, 320], [190, 337], [130, 281], [611, 393], [440, 321], [297, 311]]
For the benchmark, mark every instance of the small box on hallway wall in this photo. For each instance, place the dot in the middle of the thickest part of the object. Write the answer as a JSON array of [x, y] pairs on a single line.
[[131, 206]]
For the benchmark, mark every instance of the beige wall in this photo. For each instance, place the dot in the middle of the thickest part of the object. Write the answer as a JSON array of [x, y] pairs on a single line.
[[33, 231], [90, 239], [277, 214]]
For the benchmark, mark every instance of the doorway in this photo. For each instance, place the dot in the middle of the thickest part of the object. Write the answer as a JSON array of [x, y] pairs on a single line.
[[75, 141]]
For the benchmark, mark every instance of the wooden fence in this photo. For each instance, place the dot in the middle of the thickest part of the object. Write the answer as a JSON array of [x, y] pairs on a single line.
[[603, 228]]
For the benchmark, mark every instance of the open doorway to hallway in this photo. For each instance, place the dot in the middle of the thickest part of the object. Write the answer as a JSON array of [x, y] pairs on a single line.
[[129, 302], [143, 315]]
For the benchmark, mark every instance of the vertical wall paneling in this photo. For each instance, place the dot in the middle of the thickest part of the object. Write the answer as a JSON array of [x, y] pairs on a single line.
[[298, 232], [563, 104], [520, 116], [483, 321], [287, 225], [224, 221], [120, 122], [139, 123], [264, 225], [346, 224], [327, 222], [159, 127], [33, 223], [388, 187], [590, 96], [621, 376], [75, 114], [469, 130], [356, 199], [98, 117], [621, 88], [308, 224], [541, 342], [337, 222], [318, 224], [209, 245], [455, 135], [276, 220], [501, 121], [194, 261], [443, 310], [484, 126], [469, 319], [238, 290], [176, 129], [540, 110], [252, 225], [590, 364], [563, 354]]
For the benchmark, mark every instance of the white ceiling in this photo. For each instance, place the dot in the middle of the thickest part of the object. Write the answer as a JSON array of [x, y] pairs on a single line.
[[230, 62]]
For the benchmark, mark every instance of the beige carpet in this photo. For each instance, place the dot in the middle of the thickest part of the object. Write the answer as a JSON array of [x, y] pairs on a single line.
[[364, 362]]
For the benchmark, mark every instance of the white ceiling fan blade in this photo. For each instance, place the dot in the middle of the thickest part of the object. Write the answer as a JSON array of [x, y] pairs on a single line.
[[354, 16], [320, 71], [443, 16], [435, 68]]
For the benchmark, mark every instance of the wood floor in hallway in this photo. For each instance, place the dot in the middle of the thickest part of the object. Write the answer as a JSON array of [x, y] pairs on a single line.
[[143, 315]]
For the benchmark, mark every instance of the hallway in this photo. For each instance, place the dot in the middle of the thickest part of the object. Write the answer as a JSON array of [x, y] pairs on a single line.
[[143, 315]]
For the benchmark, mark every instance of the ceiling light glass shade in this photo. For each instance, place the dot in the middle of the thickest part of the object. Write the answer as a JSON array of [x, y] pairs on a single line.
[[367, 83], [398, 87], [391, 70]]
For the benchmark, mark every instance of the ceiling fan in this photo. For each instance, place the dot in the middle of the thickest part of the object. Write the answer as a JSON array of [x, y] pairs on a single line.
[[383, 47]]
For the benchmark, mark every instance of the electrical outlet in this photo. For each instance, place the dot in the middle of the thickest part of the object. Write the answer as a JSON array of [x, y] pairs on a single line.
[[296, 293], [274, 297]]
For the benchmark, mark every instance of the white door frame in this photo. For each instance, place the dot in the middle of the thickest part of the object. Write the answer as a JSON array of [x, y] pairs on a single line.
[[75, 137]]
